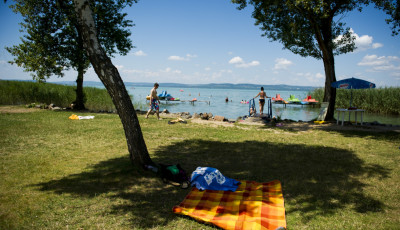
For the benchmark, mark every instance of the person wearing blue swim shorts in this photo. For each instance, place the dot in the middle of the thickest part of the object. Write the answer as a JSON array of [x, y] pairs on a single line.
[[154, 101]]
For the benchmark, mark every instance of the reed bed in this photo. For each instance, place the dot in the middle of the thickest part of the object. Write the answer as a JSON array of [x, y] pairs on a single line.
[[21, 92], [381, 100]]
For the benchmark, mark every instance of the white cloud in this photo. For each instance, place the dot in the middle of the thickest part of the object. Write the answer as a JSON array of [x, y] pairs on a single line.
[[282, 63], [363, 42], [188, 57], [374, 60], [236, 60], [311, 78], [386, 68], [253, 63], [140, 53], [142, 73], [176, 58], [377, 45], [320, 76], [2, 62], [167, 72], [215, 76], [240, 63], [383, 63], [220, 75], [170, 70]]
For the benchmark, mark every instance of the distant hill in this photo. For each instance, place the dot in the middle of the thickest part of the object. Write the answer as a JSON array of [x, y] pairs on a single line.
[[208, 86], [228, 86]]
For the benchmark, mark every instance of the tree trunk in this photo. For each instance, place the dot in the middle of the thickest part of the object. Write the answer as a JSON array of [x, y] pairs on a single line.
[[324, 38], [330, 92], [79, 102], [111, 79]]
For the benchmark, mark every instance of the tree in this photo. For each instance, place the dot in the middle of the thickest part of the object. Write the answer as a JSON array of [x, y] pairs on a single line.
[[111, 79], [308, 28], [53, 41], [108, 74]]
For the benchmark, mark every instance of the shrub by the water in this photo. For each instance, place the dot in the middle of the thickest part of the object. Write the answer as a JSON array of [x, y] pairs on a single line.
[[25, 92], [380, 100]]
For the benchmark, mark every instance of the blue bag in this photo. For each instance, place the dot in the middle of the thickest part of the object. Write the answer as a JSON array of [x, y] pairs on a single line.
[[212, 179]]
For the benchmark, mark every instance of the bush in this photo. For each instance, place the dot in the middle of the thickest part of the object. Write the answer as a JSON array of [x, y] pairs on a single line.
[[26, 92], [381, 100]]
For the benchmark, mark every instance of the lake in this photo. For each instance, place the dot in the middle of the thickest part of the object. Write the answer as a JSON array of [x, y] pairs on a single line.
[[234, 108]]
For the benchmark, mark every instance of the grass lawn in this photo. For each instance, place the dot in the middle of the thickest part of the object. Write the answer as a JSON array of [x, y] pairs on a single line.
[[57, 173]]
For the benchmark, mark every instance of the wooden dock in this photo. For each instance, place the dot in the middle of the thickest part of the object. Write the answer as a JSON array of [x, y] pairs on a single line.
[[284, 104]]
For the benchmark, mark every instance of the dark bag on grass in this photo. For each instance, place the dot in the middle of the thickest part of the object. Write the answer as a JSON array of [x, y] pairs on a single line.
[[174, 173]]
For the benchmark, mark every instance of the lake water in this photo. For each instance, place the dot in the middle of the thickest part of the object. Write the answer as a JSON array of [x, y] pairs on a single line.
[[234, 109]]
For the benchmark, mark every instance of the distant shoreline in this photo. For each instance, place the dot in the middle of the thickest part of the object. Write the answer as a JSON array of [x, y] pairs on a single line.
[[282, 87], [208, 86]]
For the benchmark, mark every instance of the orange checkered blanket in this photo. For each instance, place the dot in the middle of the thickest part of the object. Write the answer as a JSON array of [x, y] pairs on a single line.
[[252, 206]]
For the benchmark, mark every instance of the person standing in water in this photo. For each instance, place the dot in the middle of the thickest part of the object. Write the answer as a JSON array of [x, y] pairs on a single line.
[[263, 96], [153, 101]]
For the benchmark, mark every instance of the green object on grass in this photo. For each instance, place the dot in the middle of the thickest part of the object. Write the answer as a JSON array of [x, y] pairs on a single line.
[[173, 169]]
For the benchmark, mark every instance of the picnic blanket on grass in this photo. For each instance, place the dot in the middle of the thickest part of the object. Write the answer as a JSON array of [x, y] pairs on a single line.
[[252, 206]]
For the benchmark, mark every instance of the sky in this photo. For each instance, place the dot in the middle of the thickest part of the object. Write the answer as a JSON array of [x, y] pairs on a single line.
[[210, 41]]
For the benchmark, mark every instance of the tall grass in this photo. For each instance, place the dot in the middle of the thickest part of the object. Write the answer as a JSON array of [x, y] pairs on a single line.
[[98, 99], [16, 93], [20, 92], [380, 100]]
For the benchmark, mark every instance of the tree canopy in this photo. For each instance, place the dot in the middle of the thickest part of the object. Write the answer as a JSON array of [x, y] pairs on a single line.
[[299, 25], [52, 42]]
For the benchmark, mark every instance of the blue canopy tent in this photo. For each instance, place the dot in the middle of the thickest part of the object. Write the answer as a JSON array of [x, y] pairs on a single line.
[[353, 83]]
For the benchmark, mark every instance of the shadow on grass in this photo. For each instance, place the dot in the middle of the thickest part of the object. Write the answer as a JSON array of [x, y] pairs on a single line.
[[388, 135], [317, 181], [139, 195], [347, 131]]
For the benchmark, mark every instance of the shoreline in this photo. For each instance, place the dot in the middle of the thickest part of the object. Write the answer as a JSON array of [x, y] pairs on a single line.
[[265, 121], [208, 118]]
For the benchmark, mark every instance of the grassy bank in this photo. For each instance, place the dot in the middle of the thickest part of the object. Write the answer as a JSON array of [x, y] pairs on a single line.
[[57, 173], [20, 92], [379, 100]]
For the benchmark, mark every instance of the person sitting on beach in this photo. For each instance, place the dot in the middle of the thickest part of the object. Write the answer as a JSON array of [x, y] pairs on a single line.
[[153, 101], [262, 95]]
